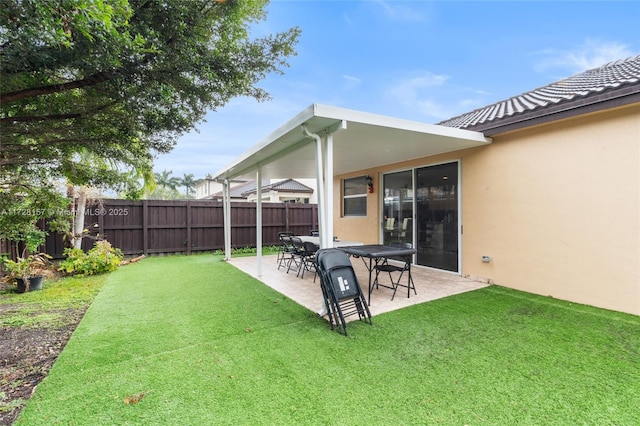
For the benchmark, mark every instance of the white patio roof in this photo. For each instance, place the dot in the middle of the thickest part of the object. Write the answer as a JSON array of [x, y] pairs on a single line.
[[361, 141]]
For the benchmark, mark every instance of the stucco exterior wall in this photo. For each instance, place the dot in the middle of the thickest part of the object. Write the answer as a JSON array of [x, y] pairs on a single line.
[[556, 207]]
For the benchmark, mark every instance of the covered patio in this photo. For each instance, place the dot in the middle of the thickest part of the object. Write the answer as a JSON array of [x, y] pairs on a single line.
[[323, 142], [430, 285]]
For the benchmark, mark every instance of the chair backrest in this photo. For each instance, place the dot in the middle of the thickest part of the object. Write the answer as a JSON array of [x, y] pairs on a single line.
[[310, 248], [336, 273], [402, 245], [391, 221], [283, 237], [297, 243], [331, 258]]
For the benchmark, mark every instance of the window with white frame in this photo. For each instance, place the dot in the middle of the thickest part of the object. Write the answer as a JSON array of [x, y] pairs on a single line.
[[354, 196]]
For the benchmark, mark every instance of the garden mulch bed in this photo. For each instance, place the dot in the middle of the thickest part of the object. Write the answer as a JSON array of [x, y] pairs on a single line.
[[26, 356]]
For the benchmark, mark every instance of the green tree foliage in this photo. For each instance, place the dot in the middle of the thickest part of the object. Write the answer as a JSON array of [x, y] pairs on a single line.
[[24, 201], [188, 182], [166, 181], [121, 79], [130, 178], [166, 186], [124, 78]]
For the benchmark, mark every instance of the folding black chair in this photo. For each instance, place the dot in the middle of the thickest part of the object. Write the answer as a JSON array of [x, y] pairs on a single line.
[[285, 249], [340, 288], [402, 266], [297, 254], [309, 259]]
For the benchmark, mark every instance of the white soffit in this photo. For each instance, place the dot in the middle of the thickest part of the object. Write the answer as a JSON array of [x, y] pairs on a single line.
[[369, 141]]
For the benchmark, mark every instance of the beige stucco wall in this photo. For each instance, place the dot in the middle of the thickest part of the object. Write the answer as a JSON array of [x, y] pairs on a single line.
[[556, 206]]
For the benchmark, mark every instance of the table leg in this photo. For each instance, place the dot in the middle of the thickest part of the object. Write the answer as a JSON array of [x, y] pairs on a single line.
[[410, 283], [370, 284]]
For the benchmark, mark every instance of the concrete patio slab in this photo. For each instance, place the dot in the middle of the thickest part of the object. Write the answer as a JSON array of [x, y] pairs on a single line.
[[430, 284]]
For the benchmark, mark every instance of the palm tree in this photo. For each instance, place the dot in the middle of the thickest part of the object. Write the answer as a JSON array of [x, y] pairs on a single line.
[[188, 182], [165, 180]]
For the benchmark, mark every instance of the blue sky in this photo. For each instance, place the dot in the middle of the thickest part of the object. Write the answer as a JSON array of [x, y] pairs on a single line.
[[418, 60]]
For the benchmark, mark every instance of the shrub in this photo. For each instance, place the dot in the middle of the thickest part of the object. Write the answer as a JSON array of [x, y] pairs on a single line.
[[100, 259], [248, 250]]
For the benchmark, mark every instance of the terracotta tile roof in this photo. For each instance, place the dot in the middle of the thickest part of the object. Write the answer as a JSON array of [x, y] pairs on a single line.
[[238, 191], [619, 80], [288, 185]]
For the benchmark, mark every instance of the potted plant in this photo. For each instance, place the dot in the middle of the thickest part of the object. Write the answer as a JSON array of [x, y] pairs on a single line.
[[28, 272], [28, 269]]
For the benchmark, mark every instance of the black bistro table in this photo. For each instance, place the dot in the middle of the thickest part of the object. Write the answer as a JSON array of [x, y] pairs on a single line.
[[377, 253]]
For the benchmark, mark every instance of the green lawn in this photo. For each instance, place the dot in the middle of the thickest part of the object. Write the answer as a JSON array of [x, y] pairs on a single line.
[[191, 340]]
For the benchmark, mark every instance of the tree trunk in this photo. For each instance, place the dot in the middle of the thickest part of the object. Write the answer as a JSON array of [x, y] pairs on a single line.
[[78, 219]]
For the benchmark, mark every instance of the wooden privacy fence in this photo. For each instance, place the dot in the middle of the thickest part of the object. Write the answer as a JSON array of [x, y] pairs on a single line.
[[186, 226]]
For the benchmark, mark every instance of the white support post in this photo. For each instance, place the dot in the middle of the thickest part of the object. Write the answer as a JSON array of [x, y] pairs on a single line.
[[328, 192], [259, 220], [226, 218], [324, 176], [321, 198]]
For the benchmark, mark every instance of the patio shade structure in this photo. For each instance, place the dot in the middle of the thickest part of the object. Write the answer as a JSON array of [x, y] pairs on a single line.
[[324, 141]]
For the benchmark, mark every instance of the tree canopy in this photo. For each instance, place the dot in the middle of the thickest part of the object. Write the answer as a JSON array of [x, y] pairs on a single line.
[[122, 79]]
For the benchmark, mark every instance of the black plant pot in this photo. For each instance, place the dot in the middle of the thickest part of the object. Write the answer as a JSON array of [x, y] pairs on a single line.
[[35, 283]]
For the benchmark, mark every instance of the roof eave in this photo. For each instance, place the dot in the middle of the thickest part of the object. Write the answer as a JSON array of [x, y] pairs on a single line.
[[318, 118], [586, 105]]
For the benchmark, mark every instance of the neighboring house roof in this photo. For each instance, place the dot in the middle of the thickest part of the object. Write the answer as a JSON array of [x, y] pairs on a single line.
[[613, 84], [289, 185], [239, 190]]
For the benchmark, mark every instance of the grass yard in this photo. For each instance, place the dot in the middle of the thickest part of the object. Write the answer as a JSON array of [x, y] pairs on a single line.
[[34, 327], [190, 340]]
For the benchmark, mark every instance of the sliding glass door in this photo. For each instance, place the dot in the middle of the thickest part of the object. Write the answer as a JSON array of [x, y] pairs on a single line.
[[437, 216], [421, 207], [397, 207]]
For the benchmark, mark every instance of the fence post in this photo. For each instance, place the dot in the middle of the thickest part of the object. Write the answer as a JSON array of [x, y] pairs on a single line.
[[286, 217], [145, 227], [314, 217], [188, 227]]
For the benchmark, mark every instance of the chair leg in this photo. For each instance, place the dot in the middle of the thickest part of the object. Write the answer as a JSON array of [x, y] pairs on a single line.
[[296, 262], [410, 284], [301, 267], [291, 259], [284, 261]]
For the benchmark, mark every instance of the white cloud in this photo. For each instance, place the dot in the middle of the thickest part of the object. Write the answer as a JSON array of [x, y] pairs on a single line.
[[434, 97], [591, 54], [419, 92], [400, 12], [351, 81], [431, 108], [411, 88]]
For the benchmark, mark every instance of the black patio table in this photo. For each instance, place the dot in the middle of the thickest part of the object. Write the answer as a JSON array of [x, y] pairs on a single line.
[[377, 253]]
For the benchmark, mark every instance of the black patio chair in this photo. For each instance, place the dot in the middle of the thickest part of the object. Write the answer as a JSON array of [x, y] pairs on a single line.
[[297, 254], [401, 266], [309, 259], [285, 249], [341, 290]]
